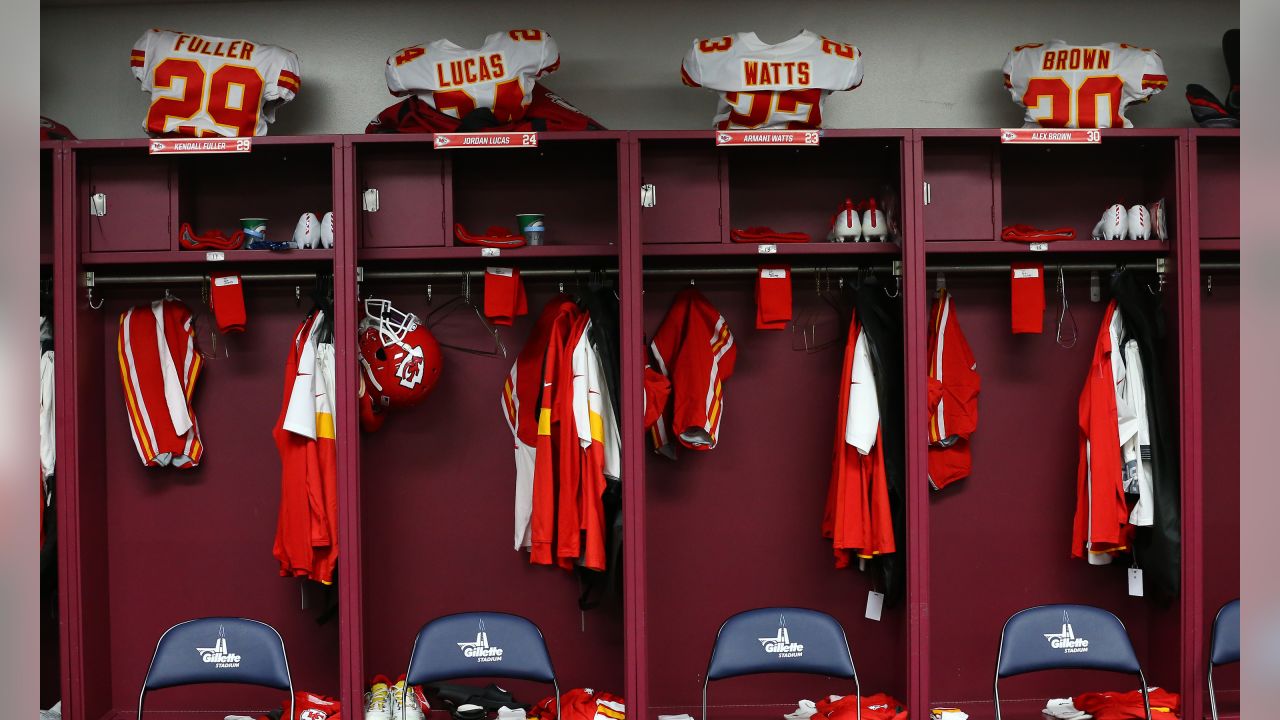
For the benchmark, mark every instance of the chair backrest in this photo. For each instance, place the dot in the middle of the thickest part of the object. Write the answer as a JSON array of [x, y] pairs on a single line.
[[479, 644], [218, 650], [780, 640], [1224, 646], [1067, 637]]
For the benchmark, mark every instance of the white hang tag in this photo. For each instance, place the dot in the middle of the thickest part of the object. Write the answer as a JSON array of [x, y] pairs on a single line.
[[1038, 247], [1026, 272], [226, 280], [875, 603], [1135, 582], [503, 271], [773, 274]]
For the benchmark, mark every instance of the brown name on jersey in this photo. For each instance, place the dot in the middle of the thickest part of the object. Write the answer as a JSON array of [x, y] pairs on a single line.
[[793, 72], [1077, 59], [235, 49], [472, 70]]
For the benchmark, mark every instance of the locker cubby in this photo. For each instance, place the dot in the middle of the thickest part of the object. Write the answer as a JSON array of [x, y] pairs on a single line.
[[410, 178], [738, 527], [1216, 154], [800, 188], [158, 546], [149, 197], [975, 186], [277, 181], [437, 502], [571, 178], [1220, 358], [687, 172], [1000, 539]]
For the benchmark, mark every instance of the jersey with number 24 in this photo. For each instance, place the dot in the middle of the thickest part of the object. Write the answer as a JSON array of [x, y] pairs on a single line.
[[771, 86], [1074, 86], [499, 75], [202, 85]]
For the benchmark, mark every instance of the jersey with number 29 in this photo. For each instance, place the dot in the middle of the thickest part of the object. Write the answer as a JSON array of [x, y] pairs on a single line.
[[771, 86], [202, 85], [499, 75], [1073, 86]]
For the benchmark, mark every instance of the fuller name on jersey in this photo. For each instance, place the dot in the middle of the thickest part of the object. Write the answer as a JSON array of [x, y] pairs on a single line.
[[498, 76], [203, 85], [771, 86], [1072, 86]]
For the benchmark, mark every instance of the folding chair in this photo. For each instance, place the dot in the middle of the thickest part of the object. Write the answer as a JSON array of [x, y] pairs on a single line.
[[1066, 637], [218, 650], [480, 644], [1224, 645], [780, 640]]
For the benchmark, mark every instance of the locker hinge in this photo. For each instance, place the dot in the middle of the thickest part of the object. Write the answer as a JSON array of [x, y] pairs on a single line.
[[928, 193], [648, 195], [359, 273], [897, 268], [1161, 268], [86, 279], [370, 200], [98, 204]]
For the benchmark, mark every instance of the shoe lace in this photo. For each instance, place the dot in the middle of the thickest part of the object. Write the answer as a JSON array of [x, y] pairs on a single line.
[[378, 699], [405, 697]]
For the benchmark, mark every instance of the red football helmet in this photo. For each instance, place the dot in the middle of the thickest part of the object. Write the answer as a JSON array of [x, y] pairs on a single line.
[[400, 358]]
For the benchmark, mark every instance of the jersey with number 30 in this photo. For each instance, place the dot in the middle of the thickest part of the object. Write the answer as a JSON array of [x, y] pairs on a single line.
[[202, 85], [1073, 86], [771, 86], [499, 75]]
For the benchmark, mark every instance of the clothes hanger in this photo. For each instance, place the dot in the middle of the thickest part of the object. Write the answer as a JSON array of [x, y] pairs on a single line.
[[1064, 314], [462, 304]]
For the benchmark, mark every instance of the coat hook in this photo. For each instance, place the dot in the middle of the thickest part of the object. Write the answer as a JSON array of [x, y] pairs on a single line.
[[297, 295], [91, 305], [428, 294], [561, 287], [1208, 284]]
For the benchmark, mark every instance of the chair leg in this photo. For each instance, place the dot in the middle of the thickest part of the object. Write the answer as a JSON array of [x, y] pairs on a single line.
[[1213, 698]]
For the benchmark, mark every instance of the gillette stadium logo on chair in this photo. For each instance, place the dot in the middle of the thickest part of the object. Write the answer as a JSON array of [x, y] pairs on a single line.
[[781, 644], [481, 650], [219, 655], [1066, 641]]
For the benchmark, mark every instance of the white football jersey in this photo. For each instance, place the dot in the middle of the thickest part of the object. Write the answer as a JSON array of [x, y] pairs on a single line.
[[202, 85], [1074, 86], [498, 75], [771, 86]]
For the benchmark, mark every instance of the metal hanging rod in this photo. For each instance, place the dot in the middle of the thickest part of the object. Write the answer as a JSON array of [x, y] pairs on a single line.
[[93, 279]]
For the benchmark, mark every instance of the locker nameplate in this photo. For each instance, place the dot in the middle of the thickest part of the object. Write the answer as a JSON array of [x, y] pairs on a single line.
[[1055, 136], [200, 146], [461, 141], [768, 137]]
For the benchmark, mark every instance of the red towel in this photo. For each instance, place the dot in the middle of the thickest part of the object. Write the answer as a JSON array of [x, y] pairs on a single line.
[[226, 298], [773, 297], [1027, 282], [504, 298]]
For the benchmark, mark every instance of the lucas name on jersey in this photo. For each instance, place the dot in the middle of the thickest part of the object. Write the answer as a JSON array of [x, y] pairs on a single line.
[[198, 45], [471, 70], [764, 73]]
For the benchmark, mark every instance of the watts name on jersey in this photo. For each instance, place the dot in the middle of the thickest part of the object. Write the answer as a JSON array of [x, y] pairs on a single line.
[[202, 85]]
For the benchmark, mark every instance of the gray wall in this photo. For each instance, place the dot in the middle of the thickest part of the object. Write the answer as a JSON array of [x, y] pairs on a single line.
[[928, 63]]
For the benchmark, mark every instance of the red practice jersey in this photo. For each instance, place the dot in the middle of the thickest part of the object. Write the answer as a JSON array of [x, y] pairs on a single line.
[[159, 366], [771, 86], [202, 85], [953, 395]]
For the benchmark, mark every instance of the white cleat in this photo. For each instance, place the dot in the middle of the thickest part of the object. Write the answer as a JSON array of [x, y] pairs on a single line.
[[1112, 226], [306, 234], [326, 230], [874, 228], [410, 708], [846, 225], [1139, 223], [377, 702]]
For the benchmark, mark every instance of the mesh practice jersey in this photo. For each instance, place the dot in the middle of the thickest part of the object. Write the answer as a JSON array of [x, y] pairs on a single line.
[[771, 86], [1073, 86], [499, 75], [202, 85]]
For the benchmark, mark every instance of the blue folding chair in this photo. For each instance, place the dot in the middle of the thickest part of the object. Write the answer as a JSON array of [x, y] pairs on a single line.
[[780, 640], [1066, 637], [480, 644], [1224, 645], [218, 650]]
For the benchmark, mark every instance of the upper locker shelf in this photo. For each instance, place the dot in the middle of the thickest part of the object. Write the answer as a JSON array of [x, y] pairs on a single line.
[[1216, 155], [411, 194], [974, 186], [695, 193], [130, 204]]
